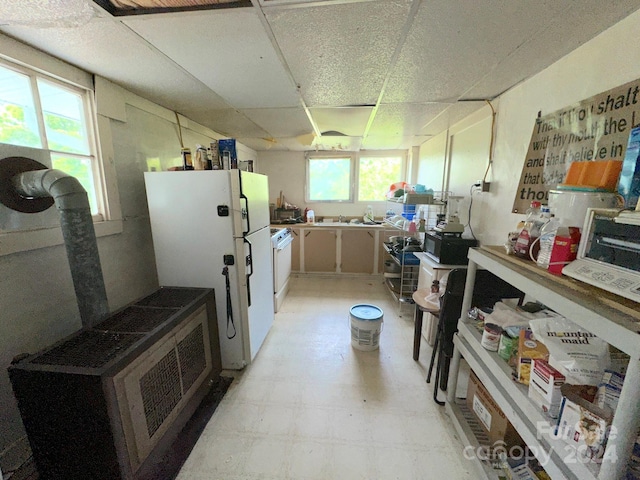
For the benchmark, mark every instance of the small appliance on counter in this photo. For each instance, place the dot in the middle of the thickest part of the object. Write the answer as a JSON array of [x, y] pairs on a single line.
[[447, 248], [609, 252], [451, 222], [286, 216]]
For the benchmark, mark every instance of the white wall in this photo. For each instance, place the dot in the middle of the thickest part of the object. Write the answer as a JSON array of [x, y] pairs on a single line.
[[609, 60]]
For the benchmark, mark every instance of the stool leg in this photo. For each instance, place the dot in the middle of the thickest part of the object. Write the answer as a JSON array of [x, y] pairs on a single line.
[[438, 379], [417, 332], [436, 343]]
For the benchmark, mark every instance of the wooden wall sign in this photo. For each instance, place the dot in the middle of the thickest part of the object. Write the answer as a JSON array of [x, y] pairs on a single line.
[[594, 129]]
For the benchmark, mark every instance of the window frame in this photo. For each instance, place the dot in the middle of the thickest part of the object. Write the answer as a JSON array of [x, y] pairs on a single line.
[[30, 62], [328, 156], [355, 172], [89, 112]]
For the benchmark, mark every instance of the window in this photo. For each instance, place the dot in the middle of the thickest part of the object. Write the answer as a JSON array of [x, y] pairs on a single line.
[[330, 177], [40, 112], [376, 174]]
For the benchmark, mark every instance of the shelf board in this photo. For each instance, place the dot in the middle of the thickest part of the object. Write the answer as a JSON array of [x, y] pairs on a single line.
[[416, 199], [513, 400], [462, 420], [613, 318]]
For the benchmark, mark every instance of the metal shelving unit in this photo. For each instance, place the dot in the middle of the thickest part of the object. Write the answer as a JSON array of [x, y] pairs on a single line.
[[402, 284], [612, 318]]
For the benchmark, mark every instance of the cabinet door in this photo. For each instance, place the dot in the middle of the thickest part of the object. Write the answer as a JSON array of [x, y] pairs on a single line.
[[295, 250], [319, 250], [358, 250]]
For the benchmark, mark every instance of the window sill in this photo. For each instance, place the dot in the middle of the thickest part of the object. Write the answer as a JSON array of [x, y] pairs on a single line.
[[14, 242]]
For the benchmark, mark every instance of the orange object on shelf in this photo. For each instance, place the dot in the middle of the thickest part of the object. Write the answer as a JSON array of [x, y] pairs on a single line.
[[600, 175]]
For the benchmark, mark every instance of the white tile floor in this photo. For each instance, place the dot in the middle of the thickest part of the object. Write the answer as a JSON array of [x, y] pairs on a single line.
[[311, 407]]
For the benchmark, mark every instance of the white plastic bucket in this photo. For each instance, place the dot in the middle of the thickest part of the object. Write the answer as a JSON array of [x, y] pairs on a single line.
[[366, 326]]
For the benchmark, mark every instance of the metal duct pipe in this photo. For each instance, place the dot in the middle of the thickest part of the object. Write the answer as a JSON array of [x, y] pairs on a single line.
[[71, 200]]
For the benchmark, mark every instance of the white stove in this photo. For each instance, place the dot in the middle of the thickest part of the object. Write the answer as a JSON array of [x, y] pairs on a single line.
[[281, 239]]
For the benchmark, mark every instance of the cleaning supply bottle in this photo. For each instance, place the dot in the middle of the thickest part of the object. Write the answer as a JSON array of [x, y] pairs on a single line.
[[546, 239], [368, 215], [530, 231]]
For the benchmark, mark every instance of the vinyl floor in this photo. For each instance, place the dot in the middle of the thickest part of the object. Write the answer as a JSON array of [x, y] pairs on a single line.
[[312, 407]]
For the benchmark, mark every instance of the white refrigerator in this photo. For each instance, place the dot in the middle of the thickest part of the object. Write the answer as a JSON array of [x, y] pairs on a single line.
[[211, 229]]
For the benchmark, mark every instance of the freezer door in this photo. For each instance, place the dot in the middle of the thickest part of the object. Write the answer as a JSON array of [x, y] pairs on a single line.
[[256, 287], [251, 191]]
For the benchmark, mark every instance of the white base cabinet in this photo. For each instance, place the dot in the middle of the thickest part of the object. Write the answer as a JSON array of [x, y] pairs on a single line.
[[610, 317]]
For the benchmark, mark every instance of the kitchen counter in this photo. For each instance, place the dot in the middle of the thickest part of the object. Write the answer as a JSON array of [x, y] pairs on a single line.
[[336, 225]]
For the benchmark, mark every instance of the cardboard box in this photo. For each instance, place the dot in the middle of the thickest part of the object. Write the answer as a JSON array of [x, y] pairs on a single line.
[[492, 419], [582, 424], [528, 349], [544, 387]]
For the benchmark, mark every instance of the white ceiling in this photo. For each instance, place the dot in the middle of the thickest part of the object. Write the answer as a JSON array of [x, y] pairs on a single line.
[[386, 73]]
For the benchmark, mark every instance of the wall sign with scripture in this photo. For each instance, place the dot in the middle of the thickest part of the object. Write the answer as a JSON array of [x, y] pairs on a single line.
[[594, 129]]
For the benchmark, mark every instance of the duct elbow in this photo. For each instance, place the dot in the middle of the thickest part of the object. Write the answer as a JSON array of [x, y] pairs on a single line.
[[66, 191]]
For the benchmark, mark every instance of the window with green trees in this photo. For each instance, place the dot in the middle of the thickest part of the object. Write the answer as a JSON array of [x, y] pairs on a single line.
[[330, 176], [39, 112]]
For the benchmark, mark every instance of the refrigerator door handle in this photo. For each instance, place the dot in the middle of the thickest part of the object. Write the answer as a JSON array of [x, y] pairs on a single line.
[[245, 210], [249, 262]]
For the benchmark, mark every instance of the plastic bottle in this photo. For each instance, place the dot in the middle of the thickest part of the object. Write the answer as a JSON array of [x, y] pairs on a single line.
[[368, 216], [412, 225], [529, 232], [546, 239]]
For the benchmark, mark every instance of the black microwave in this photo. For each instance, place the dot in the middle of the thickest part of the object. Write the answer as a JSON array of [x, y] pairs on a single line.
[[446, 248]]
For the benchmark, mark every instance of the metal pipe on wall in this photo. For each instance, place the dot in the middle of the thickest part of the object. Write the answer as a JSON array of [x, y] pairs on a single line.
[[71, 200]]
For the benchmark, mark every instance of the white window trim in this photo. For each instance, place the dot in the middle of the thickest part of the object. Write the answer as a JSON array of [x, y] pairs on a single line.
[[355, 172], [327, 155], [31, 59]]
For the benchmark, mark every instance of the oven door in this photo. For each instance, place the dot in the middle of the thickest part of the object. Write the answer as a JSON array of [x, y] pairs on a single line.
[[281, 270]]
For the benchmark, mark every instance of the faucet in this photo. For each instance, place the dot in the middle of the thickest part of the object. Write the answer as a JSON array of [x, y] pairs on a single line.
[[341, 218]]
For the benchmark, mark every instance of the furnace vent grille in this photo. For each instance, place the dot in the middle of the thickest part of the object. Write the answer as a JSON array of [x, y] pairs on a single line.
[[89, 349], [160, 389], [136, 319], [192, 357], [170, 298]]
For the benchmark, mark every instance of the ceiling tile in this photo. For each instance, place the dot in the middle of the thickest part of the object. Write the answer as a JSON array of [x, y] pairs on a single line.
[[280, 121], [404, 118], [351, 121], [393, 142], [339, 54], [348, 144], [560, 36], [107, 48], [231, 54], [451, 116], [451, 45], [232, 123], [275, 144]]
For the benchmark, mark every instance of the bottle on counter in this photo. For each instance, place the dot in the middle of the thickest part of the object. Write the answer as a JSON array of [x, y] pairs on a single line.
[[215, 155], [529, 233], [187, 161], [547, 237], [368, 214]]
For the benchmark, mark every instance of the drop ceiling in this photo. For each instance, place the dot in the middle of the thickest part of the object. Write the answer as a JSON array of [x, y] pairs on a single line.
[[309, 75]]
